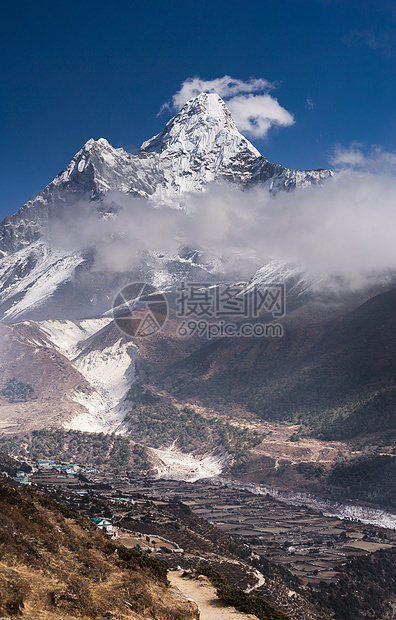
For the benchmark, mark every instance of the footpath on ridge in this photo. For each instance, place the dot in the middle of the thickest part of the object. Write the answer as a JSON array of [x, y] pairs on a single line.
[[204, 595]]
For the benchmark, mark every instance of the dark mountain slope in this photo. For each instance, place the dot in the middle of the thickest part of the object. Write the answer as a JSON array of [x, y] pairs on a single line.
[[338, 377]]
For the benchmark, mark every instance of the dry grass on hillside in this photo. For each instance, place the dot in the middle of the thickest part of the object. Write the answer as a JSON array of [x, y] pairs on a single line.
[[56, 565]]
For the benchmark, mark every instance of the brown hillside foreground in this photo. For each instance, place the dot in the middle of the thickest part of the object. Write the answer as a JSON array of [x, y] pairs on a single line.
[[204, 594], [56, 565]]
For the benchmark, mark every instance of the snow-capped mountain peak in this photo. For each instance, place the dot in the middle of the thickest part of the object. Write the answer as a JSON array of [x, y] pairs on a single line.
[[197, 147], [200, 144], [203, 122], [95, 168]]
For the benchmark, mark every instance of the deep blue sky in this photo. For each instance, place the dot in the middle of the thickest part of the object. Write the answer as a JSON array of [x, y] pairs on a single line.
[[75, 70]]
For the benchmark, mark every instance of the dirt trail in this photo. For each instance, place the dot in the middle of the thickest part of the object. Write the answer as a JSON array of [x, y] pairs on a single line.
[[204, 594]]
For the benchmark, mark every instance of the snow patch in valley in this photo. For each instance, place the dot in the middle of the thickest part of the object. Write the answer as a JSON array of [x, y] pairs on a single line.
[[181, 466], [67, 336], [86, 422], [111, 372]]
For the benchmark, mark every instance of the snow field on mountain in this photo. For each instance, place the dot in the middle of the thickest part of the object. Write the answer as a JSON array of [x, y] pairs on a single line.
[[110, 372], [53, 267], [66, 335]]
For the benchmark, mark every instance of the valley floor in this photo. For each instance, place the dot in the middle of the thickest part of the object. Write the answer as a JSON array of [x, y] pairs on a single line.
[[311, 545]]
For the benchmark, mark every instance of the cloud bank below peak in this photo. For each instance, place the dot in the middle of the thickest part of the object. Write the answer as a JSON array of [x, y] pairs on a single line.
[[340, 233], [253, 109]]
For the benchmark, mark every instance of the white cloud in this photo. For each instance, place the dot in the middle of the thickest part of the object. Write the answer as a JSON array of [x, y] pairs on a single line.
[[347, 156], [225, 86], [342, 231], [253, 109], [255, 114], [374, 159]]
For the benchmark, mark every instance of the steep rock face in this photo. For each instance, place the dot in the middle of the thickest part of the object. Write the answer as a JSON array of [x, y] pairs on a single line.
[[29, 277]]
